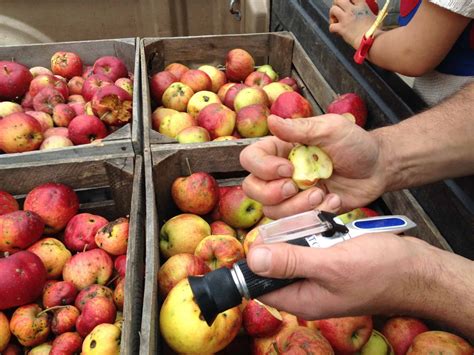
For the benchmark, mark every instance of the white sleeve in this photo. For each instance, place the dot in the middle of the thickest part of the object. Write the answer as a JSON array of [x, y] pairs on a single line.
[[461, 7]]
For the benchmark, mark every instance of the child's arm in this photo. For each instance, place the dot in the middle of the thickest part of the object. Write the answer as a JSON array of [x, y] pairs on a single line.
[[412, 50]]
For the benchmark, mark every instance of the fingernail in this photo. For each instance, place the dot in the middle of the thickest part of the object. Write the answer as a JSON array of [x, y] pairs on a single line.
[[289, 189], [334, 202], [285, 171], [315, 198], [261, 259]]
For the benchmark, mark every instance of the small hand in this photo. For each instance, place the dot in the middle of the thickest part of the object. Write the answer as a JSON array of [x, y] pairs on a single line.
[[350, 20]]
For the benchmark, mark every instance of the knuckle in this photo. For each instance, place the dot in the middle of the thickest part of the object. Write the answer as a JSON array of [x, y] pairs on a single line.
[[290, 262]]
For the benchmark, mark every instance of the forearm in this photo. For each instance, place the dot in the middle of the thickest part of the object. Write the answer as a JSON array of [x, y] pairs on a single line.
[[431, 146], [440, 288]]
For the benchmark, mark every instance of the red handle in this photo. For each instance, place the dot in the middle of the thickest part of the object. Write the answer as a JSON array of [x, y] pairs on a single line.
[[374, 7], [363, 49]]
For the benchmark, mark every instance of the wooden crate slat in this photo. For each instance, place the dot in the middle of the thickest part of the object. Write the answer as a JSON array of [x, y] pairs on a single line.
[[279, 56]]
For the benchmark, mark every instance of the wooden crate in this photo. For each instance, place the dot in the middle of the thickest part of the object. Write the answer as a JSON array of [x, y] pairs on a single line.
[[123, 141], [279, 49], [108, 187], [222, 161]]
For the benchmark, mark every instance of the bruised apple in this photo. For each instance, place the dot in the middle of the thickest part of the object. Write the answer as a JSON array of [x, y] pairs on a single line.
[[238, 65], [97, 311], [80, 231], [7, 203], [19, 229], [90, 292], [59, 294], [19, 133], [177, 96], [159, 82], [302, 340], [250, 96], [30, 325], [113, 105], [4, 331], [197, 193], [53, 254], [268, 69], [197, 80], [66, 343], [104, 339], [347, 334], [177, 69], [177, 268], [172, 125], [310, 164], [180, 318], [200, 100], [260, 320], [113, 237], [219, 251], [217, 76], [273, 90], [217, 119]]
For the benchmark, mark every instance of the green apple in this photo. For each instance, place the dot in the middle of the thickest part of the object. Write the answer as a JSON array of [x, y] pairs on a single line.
[[182, 233], [310, 164], [186, 331], [268, 69], [377, 345]]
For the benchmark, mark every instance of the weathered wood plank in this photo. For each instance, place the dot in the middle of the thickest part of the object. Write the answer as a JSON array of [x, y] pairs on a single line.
[[280, 53]]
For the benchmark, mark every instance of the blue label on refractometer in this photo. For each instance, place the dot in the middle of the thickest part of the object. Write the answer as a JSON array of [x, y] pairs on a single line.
[[380, 223]]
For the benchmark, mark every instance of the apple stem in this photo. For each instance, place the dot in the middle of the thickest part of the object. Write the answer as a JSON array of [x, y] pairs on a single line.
[[50, 309], [112, 280], [189, 166]]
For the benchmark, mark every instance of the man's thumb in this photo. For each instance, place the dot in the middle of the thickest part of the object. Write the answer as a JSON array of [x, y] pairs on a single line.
[[283, 261]]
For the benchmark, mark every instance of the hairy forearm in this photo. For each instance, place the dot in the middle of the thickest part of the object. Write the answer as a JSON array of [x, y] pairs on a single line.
[[431, 146], [443, 285]]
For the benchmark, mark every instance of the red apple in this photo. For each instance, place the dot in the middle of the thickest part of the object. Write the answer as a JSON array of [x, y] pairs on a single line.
[[273, 90], [81, 230], [66, 343], [64, 319], [400, 332], [20, 132], [177, 69], [66, 64], [27, 102], [75, 85], [63, 115], [219, 251], [238, 210], [47, 99], [120, 265], [56, 131], [14, 80], [30, 325], [55, 203], [291, 82], [113, 237], [231, 93], [257, 79], [7, 108], [125, 84], [197, 80], [215, 215], [350, 105], [177, 268], [60, 294], [53, 254], [223, 91], [87, 268], [291, 105], [119, 294], [85, 129], [22, 277], [44, 81], [302, 340], [5, 334], [177, 96], [44, 119], [260, 320], [159, 82], [88, 71], [238, 65], [112, 67], [439, 342], [78, 108], [18, 230], [93, 83], [90, 292], [217, 119], [220, 227], [197, 193], [7, 203], [112, 105], [347, 334], [35, 71], [252, 121], [12, 349], [217, 76], [98, 310]]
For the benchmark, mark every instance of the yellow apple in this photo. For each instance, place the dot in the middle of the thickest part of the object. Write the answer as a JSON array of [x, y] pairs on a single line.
[[104, 339], [186, 331], [273, 90], [171, 125], [4, 332], [200, 100]]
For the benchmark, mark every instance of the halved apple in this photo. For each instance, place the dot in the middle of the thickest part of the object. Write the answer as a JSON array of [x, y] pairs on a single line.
[[310, 164]]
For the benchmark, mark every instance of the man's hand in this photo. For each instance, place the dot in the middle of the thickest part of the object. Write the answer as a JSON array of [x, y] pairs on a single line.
[[350, 20], [358, 176]]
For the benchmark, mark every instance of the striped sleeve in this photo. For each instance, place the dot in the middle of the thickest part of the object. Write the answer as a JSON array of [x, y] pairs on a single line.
[[461, 7]]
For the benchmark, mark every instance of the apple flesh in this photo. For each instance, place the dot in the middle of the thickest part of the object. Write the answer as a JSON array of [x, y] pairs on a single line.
[[238, 65], [55, 203], [439, 342], [112, 105], [180, 317], [15, 79], [351, 104], [53, 254], [238, 210], [260, 320], [113, 237], [197, 193], [87, 268], [98, 310], [400, 332], [347, 334], [7, 203], [219, 251], [19, 133], [217, 119], [18, 230], [291, 105], [357, 213], [85, 129], [310, 164], [80, 231], [30, 325], [182, 233]]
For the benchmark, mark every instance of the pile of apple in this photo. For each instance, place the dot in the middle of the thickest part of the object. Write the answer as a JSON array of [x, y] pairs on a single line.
[[70, 104], [203, 104], [216, 229], [62, 275]]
